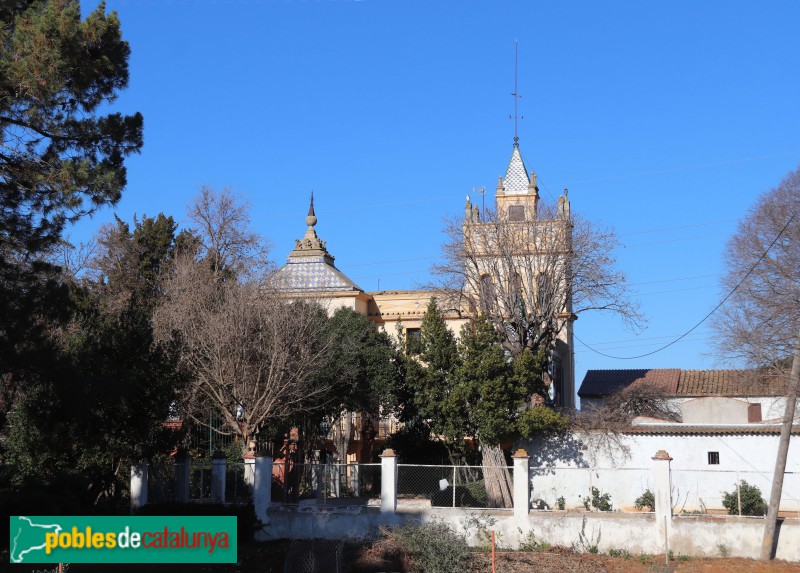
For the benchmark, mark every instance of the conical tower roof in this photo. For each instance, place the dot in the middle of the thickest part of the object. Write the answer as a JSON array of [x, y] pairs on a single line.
[[516, 180]]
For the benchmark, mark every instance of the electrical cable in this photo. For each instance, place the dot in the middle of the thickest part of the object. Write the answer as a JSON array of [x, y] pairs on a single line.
[[706, 317]]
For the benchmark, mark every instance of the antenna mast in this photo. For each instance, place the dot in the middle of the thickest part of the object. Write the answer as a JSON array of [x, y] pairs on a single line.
[[515, 94]]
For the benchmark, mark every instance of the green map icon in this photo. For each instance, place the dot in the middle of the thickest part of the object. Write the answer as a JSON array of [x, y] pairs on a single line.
[[28, 538]]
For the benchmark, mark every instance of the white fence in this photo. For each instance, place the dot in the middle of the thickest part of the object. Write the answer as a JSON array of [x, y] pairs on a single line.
[[604, 489], [693, 492]]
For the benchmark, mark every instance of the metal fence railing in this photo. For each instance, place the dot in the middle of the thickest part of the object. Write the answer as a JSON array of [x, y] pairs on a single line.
[[693, 492], [238, 482], [161, 481], [446, 486], [593, 489], [731, 492], [292, 482], [199, 480]]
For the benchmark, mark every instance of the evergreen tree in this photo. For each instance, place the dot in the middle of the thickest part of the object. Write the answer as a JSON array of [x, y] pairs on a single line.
[[434, 382], [78, 431], [476, 389], [60, 159]]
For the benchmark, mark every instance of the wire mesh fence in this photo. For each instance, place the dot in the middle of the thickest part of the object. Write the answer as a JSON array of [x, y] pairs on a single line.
[[593, 489], [731, 492], [293, 482], [445, 486]]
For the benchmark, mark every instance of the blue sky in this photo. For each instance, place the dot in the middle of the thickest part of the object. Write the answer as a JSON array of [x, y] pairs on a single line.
[[665, 120]]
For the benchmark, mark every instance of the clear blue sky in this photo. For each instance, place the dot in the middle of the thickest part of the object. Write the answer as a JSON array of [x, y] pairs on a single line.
[[665, 120]]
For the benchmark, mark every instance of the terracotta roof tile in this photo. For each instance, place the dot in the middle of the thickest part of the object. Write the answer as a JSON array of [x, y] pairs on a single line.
[[698, 429], [729, 383], [676, 382]]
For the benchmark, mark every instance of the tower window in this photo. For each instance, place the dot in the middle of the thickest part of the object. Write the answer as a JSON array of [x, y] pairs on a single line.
[[516, 212], [713, 458]]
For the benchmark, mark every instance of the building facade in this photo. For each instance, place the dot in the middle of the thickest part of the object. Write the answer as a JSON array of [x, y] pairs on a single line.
[[515, 272]]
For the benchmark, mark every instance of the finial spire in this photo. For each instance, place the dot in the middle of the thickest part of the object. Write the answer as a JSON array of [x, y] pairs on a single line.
[[311, 220], [515, 94]]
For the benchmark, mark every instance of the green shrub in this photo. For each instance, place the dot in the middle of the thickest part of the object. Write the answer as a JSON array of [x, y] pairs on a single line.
[[752, 502], [598, 501], [561, 503], [432, 547], [647, 499], [530, 543]]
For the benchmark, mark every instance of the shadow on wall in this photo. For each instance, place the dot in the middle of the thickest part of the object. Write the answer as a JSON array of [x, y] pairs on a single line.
[[555, 450]]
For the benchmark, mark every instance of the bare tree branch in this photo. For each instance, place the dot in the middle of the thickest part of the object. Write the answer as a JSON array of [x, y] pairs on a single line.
[[254, 356], [530, 276]]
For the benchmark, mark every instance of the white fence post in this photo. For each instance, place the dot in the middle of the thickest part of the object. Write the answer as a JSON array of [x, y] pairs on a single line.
[[262, 484], [388, 481], [139, 485], [522, 484], [249, 468], [182, 478], [663, 497], [218, 465]]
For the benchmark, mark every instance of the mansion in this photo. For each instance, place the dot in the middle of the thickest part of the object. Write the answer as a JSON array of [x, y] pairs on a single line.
[[514, 254]]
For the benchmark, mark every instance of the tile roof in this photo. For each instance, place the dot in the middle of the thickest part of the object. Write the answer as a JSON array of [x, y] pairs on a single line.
[[600, 383], [516, 180], [729, 383], [676, 382], [710, 429], [309, 267], [312, 274]]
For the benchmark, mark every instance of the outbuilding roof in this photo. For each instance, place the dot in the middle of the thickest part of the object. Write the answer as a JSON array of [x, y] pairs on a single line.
[[677, 382], [601, 383]]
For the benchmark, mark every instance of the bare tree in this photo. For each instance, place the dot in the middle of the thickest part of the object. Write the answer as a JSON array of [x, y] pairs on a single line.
[[254, 356], [602, 428], [226, 240], [760, 321], [530, 276], [764, 257]]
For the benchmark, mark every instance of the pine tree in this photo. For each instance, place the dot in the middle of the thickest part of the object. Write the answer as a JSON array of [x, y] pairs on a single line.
[[60, 159]]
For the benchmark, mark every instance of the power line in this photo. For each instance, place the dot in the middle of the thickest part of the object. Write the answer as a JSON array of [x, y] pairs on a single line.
[[674, 280], [676, 228], [675, 290], [706, 317], [688, 167], [704, 333], [678, 240], [578, 351], [387, 262]]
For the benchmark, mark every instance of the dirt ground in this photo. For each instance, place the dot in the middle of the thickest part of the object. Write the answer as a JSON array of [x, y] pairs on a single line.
[[269, 558], [560, 560], [518, 562]]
